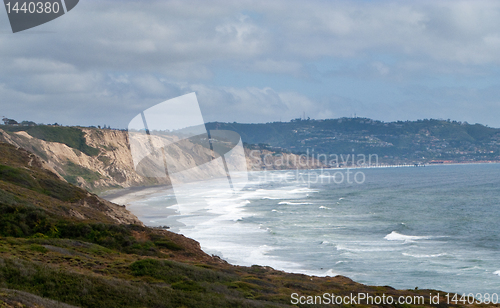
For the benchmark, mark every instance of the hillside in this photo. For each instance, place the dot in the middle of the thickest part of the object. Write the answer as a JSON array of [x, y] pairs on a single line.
[[101, 159], [395, 142], [61, 246], [25, 179], [89, 158]]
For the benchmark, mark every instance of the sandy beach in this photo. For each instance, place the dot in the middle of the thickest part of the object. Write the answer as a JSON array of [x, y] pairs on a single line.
[[131, 197], [125, 196]]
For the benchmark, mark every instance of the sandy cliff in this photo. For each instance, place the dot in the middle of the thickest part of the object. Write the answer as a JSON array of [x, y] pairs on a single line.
[[113, 166]]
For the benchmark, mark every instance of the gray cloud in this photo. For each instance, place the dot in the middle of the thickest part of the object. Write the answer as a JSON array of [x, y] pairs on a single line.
[[105, 60]]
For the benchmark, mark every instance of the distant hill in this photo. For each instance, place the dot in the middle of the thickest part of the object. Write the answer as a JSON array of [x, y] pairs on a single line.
[[394, 142]]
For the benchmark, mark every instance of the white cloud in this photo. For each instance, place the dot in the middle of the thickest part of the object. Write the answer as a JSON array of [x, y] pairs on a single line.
[[157, 35], [277, 67], [381, 68], [172, 36], [37, 65], [253, 104], [104, 55]]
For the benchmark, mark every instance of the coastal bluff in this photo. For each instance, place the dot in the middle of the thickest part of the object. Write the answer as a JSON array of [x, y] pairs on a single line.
[[101, 159]]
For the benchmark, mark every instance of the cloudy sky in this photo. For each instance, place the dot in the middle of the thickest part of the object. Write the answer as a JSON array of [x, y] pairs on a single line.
[[256, 61]]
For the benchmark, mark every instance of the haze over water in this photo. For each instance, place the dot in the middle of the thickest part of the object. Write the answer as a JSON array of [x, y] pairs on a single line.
[[428, 227]]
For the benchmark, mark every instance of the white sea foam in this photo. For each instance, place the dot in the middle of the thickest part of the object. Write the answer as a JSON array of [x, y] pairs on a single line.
[[326, 176], [424, 256], [248, 255], [394, 236], [294, 203], [278, 194], [324, 207], [330, 273], [213, 219], [364, 248], [317, 273]]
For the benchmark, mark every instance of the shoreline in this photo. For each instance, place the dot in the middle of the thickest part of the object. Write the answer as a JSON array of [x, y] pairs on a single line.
[[125, 196], [132, 194]]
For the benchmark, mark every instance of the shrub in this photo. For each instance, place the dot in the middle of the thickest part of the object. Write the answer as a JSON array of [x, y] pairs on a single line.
[[172, 271], [169, 245], [70, 136]]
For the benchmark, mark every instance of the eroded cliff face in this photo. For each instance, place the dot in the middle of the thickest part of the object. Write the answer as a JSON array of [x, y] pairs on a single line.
[[114, 161], [29, 180], [113, 165]]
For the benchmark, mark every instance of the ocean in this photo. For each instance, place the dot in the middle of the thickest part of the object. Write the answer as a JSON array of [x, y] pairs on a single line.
[[431, 227]]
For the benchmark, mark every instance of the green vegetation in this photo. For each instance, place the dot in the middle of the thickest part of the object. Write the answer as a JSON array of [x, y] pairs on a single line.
[[106, 160], [408, 141], [20, 218], [172, 272], [50, 257], [74, 171], [50, 186], [70, 136]]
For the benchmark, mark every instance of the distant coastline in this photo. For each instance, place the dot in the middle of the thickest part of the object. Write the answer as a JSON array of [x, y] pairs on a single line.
[[124, 196]]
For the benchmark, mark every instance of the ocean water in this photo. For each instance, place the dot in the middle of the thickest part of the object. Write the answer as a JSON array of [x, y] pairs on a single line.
[[429, 227]]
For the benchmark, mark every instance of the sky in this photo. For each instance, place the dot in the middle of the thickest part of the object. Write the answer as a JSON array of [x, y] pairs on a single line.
[[105, 61]]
